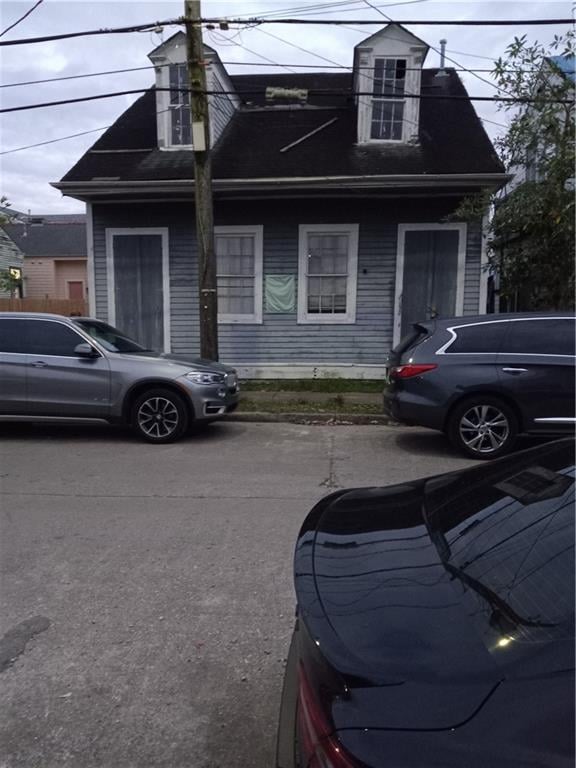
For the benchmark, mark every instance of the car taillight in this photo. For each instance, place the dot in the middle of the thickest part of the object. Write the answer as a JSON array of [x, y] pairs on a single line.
[[319, 747], [410, 370]]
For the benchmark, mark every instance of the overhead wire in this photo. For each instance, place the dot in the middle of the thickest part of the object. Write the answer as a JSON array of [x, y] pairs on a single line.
[[228, 63], [21, 19]]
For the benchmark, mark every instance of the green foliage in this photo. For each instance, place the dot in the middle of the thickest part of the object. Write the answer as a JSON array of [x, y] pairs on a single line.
[[532, 229], [4, 217], [9, 283]]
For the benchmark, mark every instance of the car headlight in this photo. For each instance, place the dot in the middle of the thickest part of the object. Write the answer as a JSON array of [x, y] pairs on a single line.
[[202, 377]]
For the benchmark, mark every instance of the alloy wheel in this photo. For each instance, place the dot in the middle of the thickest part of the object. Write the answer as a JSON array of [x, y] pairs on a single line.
[[158, 417], [484, 429]]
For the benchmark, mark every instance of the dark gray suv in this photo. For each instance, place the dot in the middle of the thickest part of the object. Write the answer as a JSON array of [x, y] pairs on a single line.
[[57, 367], [484, 380]]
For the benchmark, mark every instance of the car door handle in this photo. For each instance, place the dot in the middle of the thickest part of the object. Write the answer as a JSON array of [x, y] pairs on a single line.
[[39, 364], [515, 371]]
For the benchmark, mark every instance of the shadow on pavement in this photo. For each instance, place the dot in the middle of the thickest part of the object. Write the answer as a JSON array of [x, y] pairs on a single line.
[[431, 443], [90, 432]]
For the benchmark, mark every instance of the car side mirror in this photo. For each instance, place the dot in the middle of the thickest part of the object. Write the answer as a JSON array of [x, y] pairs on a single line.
[[86, 350]]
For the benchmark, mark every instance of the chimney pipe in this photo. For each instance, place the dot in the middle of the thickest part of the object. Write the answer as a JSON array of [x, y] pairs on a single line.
[[443, 53]]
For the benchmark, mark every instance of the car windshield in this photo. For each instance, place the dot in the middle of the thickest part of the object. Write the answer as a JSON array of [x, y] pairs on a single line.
[[110, 338]]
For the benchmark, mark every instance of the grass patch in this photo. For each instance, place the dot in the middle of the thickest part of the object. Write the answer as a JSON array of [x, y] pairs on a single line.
[[334, 405], [312, 385]]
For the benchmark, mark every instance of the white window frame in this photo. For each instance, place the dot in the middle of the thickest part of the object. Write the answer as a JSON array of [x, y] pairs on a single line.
[[164, 113], [462, 229], [304, 317], [256, 231], [396, 99], [111, 233]]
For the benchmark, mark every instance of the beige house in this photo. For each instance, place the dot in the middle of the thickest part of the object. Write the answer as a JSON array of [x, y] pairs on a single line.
[[54, 250]]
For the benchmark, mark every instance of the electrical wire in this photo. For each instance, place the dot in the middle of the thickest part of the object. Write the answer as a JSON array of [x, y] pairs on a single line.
[[314, 92], [372, 22], [25, 16], [229, 63], [105, 31]]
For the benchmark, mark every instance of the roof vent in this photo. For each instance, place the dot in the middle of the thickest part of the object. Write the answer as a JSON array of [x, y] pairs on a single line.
[[275, 95]]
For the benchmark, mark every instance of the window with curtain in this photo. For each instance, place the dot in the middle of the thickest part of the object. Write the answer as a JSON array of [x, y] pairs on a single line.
[[180, 126], [388, 99], [327, 281], [239, 275]]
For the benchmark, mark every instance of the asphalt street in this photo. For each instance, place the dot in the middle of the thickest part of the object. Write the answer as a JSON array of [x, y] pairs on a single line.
[[146, 593]]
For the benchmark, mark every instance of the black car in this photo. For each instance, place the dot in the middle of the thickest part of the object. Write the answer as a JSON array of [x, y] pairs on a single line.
[[485, 380], [435, 622]]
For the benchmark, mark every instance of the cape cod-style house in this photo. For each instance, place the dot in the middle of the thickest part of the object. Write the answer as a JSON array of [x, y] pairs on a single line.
[[332, 205]]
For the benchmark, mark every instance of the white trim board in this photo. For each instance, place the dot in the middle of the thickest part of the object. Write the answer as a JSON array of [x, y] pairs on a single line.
[[90, 268], [462, 229], [286, 370], [112, 232]]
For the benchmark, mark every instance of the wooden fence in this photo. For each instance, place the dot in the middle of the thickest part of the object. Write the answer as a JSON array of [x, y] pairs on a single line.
[[54, 306]]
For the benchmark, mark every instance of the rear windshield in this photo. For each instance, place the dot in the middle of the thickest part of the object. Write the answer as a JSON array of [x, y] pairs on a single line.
[[508, 545], [414, 336]]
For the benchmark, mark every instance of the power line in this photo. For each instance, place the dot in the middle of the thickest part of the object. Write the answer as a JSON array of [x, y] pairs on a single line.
[[373, 22], [258, 21], [53, 141], [25, 16], [325, 8], [239, 64], [313, 92], [105, 31]]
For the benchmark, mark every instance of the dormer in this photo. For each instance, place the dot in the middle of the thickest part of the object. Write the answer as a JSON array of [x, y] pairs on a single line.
[[173, 107], [387, 69]]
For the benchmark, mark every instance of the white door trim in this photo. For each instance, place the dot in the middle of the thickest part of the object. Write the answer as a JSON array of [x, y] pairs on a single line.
[[90, 269], [163, 232], [461, 228]]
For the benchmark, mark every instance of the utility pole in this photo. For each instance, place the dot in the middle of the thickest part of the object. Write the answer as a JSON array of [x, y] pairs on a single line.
[[203, 182]]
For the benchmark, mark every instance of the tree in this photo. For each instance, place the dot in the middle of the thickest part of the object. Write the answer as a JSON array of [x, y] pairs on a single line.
[[531, 242], [10, 279]]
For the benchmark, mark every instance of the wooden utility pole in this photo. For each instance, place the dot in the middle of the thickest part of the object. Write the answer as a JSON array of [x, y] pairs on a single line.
[[203, 182]]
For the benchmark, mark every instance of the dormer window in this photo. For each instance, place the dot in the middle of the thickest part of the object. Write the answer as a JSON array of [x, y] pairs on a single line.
[[387, 74], [387, 100], [180, 127]]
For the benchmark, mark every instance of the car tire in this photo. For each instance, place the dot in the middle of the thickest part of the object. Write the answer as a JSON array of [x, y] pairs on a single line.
[[483, 427], [159, 416]]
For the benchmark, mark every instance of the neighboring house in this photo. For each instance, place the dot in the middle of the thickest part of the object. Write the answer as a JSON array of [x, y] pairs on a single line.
[[330, 204], [54, 248], [11, 258]]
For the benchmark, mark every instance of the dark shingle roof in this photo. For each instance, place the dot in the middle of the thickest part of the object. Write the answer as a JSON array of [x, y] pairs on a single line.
[[57, 236], [452, 138]]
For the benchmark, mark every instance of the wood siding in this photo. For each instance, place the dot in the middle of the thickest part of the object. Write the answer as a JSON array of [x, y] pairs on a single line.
[[280, 339]]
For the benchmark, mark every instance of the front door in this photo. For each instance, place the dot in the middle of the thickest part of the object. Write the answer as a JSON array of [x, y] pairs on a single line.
[[138, 285], [430, 271]]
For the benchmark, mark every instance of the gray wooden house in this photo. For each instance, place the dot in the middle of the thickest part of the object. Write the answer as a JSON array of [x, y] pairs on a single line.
[[332, 205]]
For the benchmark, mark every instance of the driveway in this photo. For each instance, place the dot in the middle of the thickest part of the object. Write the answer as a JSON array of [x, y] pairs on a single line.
[[146, 594]]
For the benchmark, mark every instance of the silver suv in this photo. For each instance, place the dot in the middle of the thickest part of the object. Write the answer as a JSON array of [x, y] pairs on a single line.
[[54, 367]]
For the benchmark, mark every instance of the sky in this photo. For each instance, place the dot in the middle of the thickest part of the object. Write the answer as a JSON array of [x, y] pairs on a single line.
[[25, 175]]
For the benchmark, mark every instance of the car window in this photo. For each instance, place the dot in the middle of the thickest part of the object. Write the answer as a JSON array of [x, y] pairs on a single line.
[[552, 336], [48, 337], [478, 339], [13, 335], [110, 338]]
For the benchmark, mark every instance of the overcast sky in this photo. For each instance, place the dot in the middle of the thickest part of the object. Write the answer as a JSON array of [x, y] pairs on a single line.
[[25, 175]]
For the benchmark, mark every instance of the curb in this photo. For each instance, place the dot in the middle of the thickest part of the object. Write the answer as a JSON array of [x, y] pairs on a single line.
[[313, 418]]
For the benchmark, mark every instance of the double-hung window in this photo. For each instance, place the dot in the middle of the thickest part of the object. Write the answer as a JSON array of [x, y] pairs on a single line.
[[328, 265], [239, 273], [388, 92], [179, 109]]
